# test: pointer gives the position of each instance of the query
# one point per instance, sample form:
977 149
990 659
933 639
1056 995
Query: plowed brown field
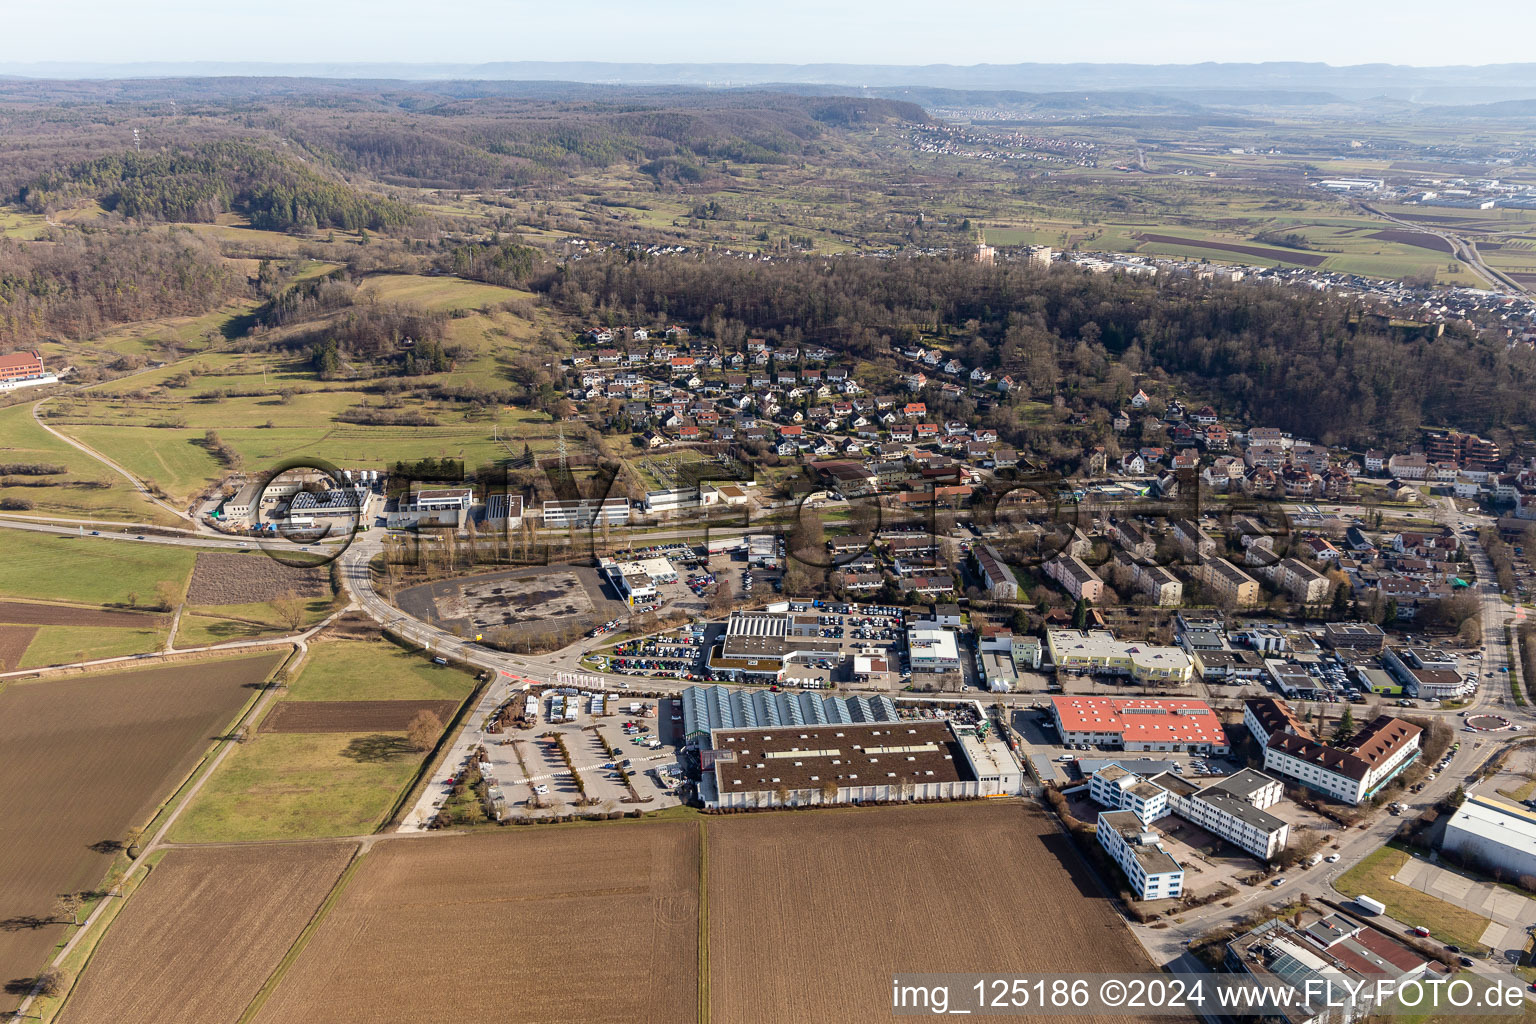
585 925
198 940
352 715
25 613
1416 238
232 578
86 758
811 914
1305 259
13 644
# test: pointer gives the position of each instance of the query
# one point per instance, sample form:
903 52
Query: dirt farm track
215 923
86 758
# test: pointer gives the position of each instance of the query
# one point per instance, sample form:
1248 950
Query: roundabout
1485 722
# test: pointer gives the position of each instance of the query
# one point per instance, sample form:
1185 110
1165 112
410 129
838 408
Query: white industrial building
586 512
933 650
1151 870
1098 652
1232 809
1491 832
636 581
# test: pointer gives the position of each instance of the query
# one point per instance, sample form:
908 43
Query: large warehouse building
1491 832
1140 723
708 708
794 765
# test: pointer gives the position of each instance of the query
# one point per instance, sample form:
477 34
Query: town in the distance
509 574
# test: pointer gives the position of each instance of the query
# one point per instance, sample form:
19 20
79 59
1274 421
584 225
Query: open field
1263 252
221 578
597 926
216 624
894 889
65 645
1373 877
439 293
202 934
55 567
86 759
374 670
352 715
85 488
331 758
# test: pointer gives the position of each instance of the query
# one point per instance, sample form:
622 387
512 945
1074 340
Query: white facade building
1151 871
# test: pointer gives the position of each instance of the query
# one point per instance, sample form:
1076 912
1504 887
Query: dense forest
201 182
84 283
1268 355
471 135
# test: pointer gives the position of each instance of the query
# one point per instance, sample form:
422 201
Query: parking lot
534 779
675 654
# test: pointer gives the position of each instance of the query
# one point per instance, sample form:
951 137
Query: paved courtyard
1510 913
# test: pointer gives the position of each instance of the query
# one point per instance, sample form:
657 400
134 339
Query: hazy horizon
897 32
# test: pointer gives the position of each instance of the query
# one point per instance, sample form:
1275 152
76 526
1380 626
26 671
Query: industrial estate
501 550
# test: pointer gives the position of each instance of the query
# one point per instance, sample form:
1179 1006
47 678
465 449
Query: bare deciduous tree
423 730
290 608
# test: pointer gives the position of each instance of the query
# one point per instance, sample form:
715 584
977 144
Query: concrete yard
1510 914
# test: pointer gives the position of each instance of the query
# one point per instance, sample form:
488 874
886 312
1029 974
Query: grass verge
1448 922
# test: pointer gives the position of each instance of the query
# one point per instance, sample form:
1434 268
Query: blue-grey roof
706 708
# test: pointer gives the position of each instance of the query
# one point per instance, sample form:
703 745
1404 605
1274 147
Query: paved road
1461 248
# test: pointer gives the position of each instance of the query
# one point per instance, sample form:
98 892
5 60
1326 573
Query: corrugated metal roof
706 708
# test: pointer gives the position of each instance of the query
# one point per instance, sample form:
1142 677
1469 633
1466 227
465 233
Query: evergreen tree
1346 727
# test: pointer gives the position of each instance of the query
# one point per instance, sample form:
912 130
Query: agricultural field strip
203 933
777 879
406 898
155 719
352 716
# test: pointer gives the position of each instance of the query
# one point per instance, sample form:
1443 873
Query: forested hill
1268 356
199 183
470 135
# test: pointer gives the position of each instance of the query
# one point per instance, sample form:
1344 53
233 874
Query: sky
782 31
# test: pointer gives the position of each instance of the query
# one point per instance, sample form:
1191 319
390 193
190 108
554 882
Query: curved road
1461 249
138 484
